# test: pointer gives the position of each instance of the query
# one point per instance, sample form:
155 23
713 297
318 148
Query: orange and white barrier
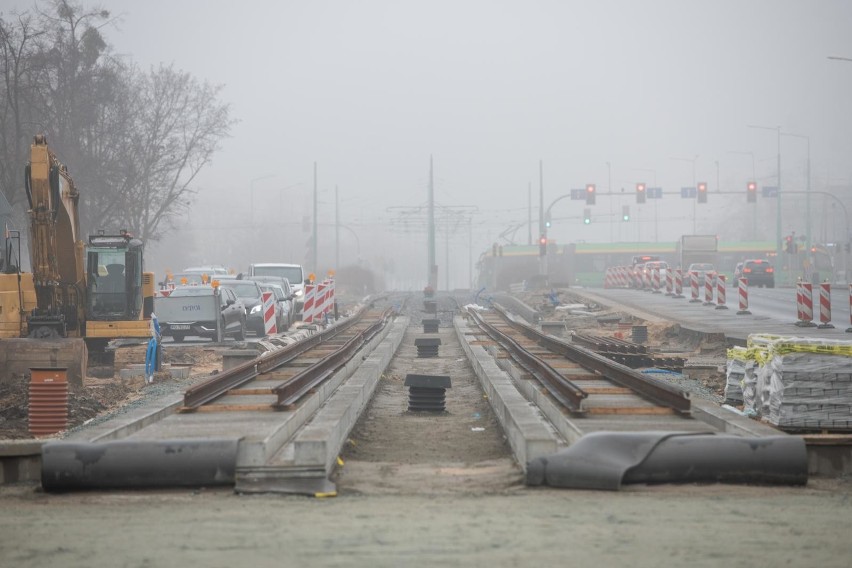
721 293
678 283
609 278
742 294
269 313
669 282
825 306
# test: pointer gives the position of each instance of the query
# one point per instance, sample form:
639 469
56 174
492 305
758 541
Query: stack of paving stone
755 383
735 375
810 385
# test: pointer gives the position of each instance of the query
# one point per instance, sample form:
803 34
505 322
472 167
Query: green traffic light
587 221
626 218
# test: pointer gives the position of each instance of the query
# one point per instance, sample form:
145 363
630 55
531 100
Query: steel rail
217 385
300 384
566 392
652 389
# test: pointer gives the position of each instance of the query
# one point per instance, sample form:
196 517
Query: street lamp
808 189
778 195
754 179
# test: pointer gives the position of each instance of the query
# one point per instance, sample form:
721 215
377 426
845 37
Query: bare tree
134 141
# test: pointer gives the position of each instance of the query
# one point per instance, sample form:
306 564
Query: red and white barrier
799 316
269 313
678 283
669 282
807 305
708 288
609 278
849 329
655 280
742 293
310 303
624 276
693 285
328 298
721 293
825 306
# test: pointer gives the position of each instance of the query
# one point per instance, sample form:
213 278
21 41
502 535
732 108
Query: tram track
585 383
286 375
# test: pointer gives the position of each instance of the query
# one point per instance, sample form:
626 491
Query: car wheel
178 337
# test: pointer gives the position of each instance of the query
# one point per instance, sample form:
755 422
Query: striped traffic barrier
825 306
655 281
742 293
693 286
721 293
669 282
646 280
807 305
849 329
678 283
328 301
310 302
708 288
320 303
623 277
609 278
269 313
799 316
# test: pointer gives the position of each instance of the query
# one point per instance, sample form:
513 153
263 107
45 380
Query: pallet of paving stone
735 374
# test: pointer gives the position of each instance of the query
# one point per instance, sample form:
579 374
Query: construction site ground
405 502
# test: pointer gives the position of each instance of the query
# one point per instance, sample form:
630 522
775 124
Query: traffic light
547 220
542 245
587 215
625 212
702 192
790 246
640 193
752 192
590 194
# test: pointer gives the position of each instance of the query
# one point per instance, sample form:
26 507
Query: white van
294 273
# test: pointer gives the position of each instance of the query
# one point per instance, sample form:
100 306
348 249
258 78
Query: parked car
294 273
251 295
738 271
701 268
759 272
283 309
654 265
198 310
210 270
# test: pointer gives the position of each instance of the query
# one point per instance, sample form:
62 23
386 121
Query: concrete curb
266 464
530 435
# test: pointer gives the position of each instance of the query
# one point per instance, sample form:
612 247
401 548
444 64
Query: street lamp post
778 197
808 189
754 179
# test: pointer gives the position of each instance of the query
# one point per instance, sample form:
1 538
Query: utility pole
336 230
529 208
542 264
432 274
314 262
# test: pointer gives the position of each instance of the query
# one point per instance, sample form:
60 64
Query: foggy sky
370 89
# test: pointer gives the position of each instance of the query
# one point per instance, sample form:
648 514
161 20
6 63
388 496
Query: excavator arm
56 250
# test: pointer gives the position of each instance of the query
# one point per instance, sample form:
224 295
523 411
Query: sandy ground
731 526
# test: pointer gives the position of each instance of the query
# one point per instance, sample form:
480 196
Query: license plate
179 326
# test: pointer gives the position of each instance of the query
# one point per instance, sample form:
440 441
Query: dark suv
759 272
250 293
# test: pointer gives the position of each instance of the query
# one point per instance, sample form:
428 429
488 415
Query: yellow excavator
96 291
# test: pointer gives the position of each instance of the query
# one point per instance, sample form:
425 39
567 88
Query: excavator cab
114 278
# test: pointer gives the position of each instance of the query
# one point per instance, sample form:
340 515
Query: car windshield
701 266
244 290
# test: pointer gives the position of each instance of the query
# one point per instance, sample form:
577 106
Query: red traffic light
702 186
542 241
752 186
640 187
590 188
